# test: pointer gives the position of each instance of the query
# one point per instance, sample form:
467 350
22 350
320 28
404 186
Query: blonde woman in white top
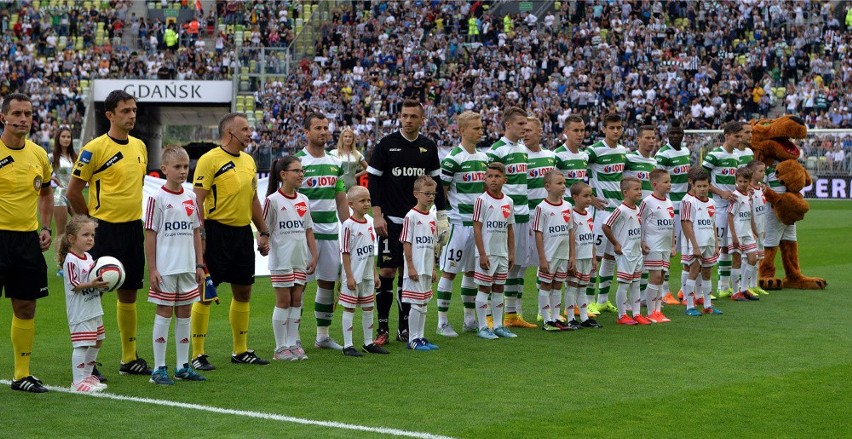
354 165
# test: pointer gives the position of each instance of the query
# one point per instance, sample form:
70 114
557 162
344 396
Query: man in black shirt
398 159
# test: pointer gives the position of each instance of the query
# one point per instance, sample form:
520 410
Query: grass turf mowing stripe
251 414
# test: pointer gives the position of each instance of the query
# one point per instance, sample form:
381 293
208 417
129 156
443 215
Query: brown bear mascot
786 177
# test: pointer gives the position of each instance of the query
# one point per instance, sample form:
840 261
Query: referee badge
37 183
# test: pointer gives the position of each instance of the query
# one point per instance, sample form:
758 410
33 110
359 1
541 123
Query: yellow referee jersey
23 172
232 184
116 174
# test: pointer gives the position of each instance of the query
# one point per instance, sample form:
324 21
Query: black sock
384 301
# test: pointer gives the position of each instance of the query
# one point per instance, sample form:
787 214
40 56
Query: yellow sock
198 323
239 317
23 333
126 318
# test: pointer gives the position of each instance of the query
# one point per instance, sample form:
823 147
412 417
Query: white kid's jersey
174 216
288 219
496 215
657 222
702 214
627 227
759 209
418 228
741 209
81 305
584 234
359 240
554 222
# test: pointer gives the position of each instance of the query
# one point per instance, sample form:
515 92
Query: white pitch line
251 414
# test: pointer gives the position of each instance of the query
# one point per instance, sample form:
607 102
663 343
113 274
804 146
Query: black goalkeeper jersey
394 166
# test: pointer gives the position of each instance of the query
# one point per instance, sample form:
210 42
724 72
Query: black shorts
390 248
125 242
230 253
23 272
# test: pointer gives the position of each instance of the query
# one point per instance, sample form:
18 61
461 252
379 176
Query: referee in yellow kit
114 166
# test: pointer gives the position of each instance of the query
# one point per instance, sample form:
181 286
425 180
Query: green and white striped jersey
574 166
463 174
323 180
538 164
772 180
746 155
606 167
722 166
677 164
514 157
640 167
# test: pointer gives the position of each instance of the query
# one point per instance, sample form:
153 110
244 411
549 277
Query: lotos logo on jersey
407 172
506 210
575 174
642 175
671 211
728 171
611 169
682 169
539 172
519 168
711 210
189 206
566 215
301 208
324 181
473 176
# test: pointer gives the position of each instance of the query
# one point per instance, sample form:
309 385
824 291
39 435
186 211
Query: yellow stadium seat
240 108
249 104
258 114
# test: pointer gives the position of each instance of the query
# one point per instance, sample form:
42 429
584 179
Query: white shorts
59 198
708 256
288 278
628 270
602 245
176 290
582 272
419 292
460 252
364 295
495 275
88 332
658 260
558 271
722 235
747 245
523 233
328 261
776 231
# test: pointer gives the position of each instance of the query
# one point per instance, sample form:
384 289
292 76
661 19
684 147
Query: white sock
556 304
748 275
444 285
468 284
754 276
636 298
482 308
414 316
570 301
181 343
293 323
324 296
78 364
582 300
689 293
653 294
348 318
367 325
497 309
91 359
279 326
511 303
422 330
735 280
606 269
161 339
705 292
684 275
621 298
544 305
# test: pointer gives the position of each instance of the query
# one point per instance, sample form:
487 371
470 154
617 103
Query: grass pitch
776 368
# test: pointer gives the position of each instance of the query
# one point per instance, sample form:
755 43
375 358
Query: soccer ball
110 270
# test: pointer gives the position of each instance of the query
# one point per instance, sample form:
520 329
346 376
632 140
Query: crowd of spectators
649 61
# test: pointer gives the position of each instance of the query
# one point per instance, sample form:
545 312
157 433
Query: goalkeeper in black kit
398 159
